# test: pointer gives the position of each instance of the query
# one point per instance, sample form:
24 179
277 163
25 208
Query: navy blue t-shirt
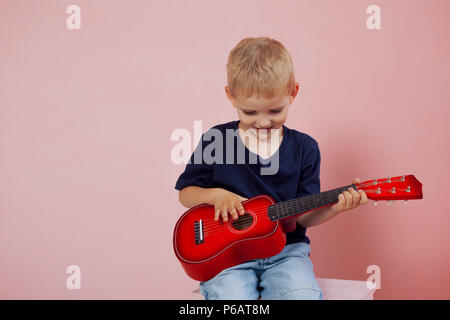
296 174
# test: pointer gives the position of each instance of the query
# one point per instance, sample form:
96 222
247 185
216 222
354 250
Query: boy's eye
249 112
275 111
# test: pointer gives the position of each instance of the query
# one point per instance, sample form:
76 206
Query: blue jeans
288 275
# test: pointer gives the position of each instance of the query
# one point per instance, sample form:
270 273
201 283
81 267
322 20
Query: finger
216 214
340 204
242 198
363 197
233 212
224 214
240 208
356 180
355 197
348 200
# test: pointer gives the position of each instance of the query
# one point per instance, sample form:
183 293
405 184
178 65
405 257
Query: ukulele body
205 247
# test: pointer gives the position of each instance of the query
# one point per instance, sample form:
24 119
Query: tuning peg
388 180
375 203
390 202
405 202
402 178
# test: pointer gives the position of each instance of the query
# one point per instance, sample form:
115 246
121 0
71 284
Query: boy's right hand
227 202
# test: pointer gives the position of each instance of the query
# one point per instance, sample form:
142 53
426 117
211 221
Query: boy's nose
263 124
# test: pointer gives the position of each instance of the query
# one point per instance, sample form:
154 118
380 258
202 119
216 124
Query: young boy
261 86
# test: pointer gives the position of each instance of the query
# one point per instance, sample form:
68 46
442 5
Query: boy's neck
264 147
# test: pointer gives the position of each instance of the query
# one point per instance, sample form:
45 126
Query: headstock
392 188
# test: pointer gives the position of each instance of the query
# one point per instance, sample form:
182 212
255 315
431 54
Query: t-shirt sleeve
310 172
197 172
309 182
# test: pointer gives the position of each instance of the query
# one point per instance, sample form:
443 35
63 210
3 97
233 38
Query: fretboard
307 203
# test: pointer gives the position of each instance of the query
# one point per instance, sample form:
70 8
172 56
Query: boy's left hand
350 199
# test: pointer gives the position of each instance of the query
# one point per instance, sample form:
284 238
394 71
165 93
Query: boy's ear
294 93
228 92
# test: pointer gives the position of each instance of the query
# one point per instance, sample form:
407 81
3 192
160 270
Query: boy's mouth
264 130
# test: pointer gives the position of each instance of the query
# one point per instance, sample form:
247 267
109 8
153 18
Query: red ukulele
205 247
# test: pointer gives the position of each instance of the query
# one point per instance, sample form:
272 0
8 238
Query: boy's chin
261 133
267 136
267 132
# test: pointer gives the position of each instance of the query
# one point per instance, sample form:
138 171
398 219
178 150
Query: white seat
340 289
333 289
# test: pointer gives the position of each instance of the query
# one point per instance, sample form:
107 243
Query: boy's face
262 113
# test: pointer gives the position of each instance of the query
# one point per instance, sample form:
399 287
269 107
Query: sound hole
242 222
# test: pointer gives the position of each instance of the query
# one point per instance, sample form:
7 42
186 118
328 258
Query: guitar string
292 204
264 211
299 208
221 227
295 206
224 225
326 196
225 229
286 205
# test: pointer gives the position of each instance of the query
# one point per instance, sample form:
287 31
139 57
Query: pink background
86 116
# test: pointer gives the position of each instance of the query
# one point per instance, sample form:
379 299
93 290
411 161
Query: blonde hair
260 66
